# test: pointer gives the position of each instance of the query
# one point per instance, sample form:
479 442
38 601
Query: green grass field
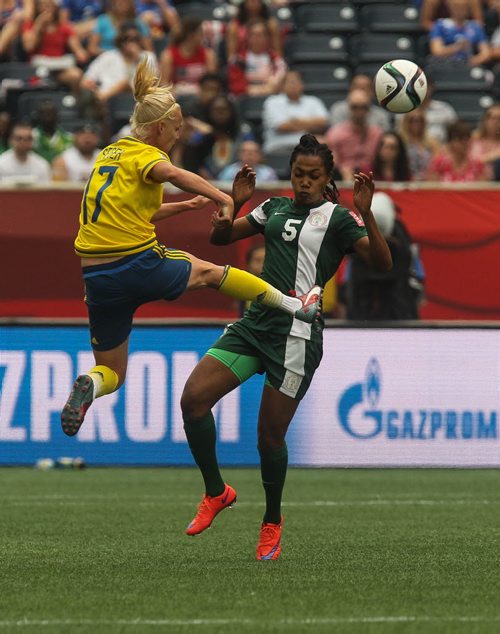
369 551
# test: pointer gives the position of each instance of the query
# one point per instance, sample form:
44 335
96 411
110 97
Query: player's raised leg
104 378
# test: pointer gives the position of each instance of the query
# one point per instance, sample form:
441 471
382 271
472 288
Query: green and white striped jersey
304 246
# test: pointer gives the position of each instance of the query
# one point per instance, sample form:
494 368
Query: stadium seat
280 163
302 48
390 18
120 109
324 76
329 97
455 77
203 10
335 18
468 105
29 102
381 47
368 68
17 70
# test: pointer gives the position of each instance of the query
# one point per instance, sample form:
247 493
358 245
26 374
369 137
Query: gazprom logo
361 417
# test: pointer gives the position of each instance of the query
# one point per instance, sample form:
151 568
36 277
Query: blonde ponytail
153 102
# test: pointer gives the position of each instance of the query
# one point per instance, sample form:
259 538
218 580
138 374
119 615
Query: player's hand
243 185
363 191
198 202
222 219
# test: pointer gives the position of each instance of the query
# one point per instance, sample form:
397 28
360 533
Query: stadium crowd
250 85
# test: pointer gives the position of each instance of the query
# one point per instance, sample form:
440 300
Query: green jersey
304 247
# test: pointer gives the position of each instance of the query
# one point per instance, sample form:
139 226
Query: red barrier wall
459 232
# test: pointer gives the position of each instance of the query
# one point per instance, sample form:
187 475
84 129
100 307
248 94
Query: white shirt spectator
34 169
110 68
278 109
78 167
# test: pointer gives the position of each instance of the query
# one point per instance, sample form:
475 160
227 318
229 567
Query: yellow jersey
119 201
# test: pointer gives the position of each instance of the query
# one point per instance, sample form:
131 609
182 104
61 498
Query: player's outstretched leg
269 544
209 508
80 399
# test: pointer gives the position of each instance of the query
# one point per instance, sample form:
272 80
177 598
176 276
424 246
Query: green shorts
288 362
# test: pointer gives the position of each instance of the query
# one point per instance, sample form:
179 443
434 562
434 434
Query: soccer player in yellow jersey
123 264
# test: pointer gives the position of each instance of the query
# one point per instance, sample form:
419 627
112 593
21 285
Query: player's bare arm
372 249
167 210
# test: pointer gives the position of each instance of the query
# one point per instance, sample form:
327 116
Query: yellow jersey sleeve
119 201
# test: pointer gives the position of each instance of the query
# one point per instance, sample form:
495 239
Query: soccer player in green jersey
306 238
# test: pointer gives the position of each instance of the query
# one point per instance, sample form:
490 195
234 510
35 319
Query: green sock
273 466
201 436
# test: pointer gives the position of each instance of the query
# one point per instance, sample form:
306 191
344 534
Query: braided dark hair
310 146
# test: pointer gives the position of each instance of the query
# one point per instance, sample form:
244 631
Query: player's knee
192 402
269 439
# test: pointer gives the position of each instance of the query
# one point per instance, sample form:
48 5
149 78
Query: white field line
291 622
151 500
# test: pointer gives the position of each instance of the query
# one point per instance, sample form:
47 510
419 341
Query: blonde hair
153 102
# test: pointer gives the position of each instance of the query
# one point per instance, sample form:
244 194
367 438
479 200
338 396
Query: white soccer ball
400 86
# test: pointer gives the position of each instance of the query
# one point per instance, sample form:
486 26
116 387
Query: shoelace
268 534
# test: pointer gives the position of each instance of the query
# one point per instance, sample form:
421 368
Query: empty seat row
346 18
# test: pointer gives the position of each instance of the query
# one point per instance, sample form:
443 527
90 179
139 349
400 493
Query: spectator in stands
210 85
49 138
76 162
208 152
432 10
236 33
47 40
438 114
185 62
13 14
20 164
377 116
112 71
5 130
82 15
420 145
458 39
108 25
249 153
390 163
354 142
289 115
455 163
486 139
384 295
257 71
159 15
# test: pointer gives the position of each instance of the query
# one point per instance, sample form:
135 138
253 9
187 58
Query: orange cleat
209 508
269 546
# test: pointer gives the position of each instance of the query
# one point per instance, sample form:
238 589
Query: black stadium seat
458 77
303 48
390 18
29 102
329 97
203 10
468 105
335 18
17 70
280 163
324 76
374 47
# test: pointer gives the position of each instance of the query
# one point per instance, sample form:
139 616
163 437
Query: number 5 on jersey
110 171
290 232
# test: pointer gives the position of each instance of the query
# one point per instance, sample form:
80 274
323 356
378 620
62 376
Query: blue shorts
114 291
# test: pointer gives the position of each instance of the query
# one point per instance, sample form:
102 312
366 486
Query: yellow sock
105 380
245 286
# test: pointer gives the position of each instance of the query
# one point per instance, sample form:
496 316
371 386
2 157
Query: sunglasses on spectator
359 106
131 38
22 137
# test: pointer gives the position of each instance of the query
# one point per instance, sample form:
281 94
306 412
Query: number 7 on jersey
110 170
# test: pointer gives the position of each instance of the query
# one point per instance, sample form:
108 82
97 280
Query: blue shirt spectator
107 31
251 154
80 10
